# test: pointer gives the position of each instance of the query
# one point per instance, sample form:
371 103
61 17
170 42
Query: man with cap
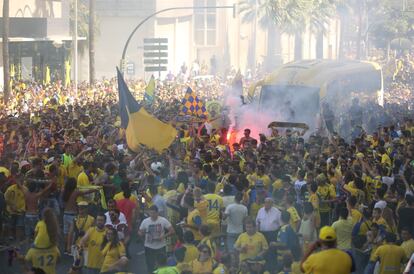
328 259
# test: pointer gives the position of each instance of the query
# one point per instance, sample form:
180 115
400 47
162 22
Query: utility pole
76 48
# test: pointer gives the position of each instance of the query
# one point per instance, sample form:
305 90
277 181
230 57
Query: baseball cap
327 233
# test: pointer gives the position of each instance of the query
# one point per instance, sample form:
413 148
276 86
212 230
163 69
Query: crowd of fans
280 204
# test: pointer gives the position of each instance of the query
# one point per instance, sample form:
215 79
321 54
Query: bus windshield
292 103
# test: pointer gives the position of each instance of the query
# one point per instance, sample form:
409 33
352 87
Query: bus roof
316 73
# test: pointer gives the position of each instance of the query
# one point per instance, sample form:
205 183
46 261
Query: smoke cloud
283 104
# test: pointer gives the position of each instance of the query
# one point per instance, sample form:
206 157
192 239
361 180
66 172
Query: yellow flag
47 76
144 129
67 73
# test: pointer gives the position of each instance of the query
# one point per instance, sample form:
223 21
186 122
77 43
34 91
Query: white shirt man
153 228
235 214
268 220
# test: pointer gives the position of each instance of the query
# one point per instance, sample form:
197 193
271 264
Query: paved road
136 263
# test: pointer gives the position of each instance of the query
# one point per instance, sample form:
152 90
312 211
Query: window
205 23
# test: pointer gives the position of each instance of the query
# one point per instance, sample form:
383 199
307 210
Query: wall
117 19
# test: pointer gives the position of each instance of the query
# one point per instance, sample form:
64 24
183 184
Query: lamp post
122 62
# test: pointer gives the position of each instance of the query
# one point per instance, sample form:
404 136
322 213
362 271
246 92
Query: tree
343 9
273 16
83 22
389 22
318 16
6 65
92 41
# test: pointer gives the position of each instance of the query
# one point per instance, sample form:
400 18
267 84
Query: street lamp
122 63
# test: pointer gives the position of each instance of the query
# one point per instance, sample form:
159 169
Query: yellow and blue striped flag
192 105
150 90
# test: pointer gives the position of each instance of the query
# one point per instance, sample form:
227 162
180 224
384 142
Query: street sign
155 40
156 48
130 68
155 61
155 54
155 68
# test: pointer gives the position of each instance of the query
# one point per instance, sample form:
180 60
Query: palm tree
318 16
343 9
296 11
6 71
274 16
92 41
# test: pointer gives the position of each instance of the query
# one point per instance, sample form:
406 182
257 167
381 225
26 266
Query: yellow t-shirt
84 223
112 255
391 257
96 237
208 242
83 180
265 179
43 258
202 207
191 253
192 216
120 196
42 239
215 204
408 247
326 192
253 244
314 200
356 215
343 229
198 267
252 178
385 159
221 269
321 262
5 171
15 195
74 170
294 217
63 173
254 209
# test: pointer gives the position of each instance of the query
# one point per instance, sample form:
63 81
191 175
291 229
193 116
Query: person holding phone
321 254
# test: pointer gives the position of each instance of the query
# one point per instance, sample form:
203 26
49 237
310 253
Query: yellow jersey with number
45 259
215 204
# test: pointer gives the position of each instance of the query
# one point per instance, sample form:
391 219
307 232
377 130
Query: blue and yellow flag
150 90
191 105
141 127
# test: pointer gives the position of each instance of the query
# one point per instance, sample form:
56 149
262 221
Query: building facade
39 38
221 35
